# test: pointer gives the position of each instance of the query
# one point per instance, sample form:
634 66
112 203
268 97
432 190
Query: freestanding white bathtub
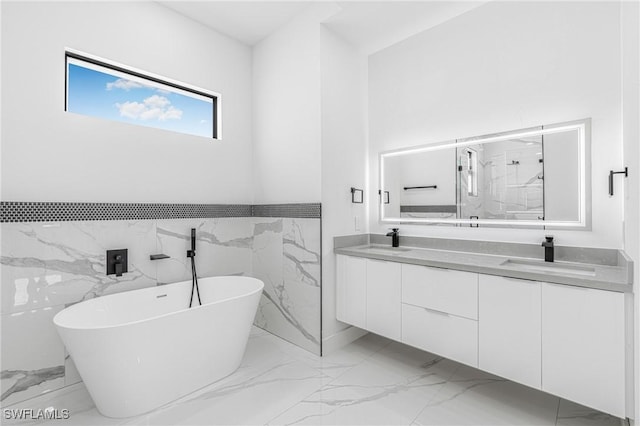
141 349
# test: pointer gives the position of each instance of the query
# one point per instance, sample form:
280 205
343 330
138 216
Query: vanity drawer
444 290
447 335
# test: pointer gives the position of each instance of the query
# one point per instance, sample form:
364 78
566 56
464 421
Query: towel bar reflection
421 187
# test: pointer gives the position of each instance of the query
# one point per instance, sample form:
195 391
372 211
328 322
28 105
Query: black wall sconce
385 199
357 195
611 173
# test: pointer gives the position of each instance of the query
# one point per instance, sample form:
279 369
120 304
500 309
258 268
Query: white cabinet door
351 290
583 346
509 329
383 298
444 290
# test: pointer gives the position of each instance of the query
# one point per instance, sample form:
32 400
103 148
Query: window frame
155 78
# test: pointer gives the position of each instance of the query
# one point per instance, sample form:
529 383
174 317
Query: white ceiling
374 25
368 25
246 21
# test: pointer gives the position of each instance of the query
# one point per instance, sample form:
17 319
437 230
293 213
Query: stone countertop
605 277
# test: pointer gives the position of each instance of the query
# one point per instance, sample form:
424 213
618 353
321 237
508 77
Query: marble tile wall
286 256
46 266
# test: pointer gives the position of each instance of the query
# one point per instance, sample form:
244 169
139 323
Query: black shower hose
194 282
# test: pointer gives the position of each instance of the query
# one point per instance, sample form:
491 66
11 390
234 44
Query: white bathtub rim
156 317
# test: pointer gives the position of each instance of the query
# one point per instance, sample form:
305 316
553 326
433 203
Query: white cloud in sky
157 101
152 108
124 84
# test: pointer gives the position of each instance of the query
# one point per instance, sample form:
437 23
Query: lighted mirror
534 177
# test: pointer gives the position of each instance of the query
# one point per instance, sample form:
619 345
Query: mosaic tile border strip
303 210
23 211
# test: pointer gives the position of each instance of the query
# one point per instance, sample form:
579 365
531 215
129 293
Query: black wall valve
117 262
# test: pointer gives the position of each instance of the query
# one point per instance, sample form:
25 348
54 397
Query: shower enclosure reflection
502 180
531 177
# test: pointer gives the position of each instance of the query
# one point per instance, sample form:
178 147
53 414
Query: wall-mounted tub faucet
548 248
395 238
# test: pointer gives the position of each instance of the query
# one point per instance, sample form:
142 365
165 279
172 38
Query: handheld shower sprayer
192 252
194 275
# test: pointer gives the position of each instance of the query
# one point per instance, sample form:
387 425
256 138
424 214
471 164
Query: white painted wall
503 66
51 155
343 90
630 17
286 111
309 100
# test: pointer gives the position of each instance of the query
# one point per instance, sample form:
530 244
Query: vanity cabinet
351 289
583 346
565 340
440 311
383 298
368 295
510 328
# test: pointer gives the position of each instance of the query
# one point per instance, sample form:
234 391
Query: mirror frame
584 223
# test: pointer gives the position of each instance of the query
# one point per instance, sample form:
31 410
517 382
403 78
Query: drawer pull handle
437 312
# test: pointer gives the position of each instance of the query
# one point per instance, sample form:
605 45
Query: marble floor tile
572 414
473 397
376 391
74 398
371 381
246 400
338 362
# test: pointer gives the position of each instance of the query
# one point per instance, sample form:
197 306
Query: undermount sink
388 250
540 266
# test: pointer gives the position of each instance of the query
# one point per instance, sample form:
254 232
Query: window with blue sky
101 91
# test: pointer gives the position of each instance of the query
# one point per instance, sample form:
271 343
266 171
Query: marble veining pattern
32 354
223 247
62 263
23 379
379 382
47 266
286 256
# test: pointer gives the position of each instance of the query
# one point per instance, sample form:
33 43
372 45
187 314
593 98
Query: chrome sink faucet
395 238
548 248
